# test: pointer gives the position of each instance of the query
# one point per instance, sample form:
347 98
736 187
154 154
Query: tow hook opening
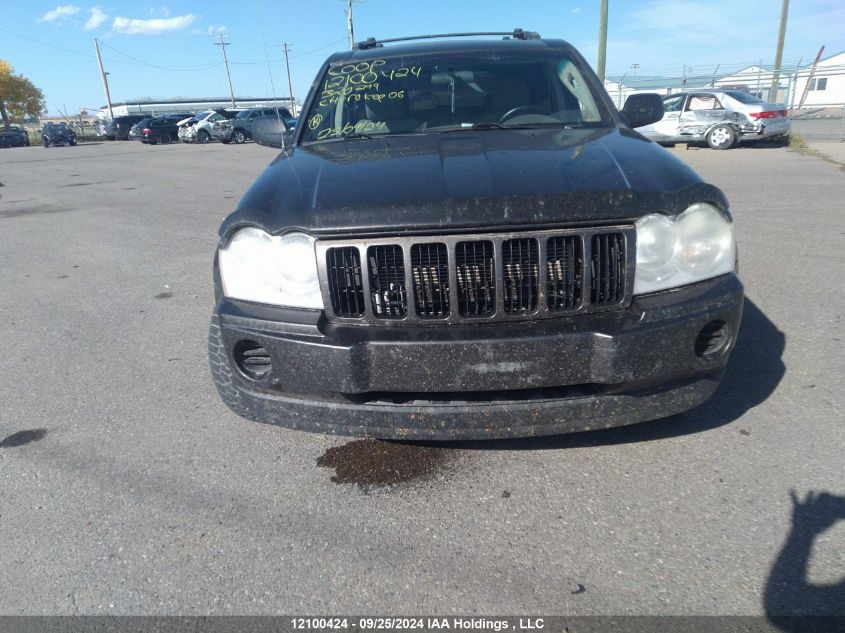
713 339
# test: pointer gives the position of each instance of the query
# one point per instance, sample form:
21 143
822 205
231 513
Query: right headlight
274 269
696 245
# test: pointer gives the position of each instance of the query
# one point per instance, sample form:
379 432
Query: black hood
469 179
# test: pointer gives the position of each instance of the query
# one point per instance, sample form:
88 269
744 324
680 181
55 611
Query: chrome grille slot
387 281
343 266
430 273
521 272
476 274
564 272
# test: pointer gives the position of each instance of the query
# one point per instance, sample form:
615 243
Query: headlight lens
279 270
698 244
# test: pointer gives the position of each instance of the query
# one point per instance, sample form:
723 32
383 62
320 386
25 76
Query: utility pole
349 24
810 78
602 39
286 48
103 74
223 44
773 90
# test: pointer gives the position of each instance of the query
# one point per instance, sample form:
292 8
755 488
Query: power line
61 48
171 68
316 50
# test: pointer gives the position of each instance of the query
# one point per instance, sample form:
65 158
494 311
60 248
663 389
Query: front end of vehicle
476 336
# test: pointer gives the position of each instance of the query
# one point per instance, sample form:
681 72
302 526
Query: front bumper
479 381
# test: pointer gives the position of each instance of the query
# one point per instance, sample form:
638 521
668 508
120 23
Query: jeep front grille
521 274
430 275
477 278
387 281
608 269
564 272
476 273
343 267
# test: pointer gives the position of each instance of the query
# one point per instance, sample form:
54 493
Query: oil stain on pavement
374 463
22 437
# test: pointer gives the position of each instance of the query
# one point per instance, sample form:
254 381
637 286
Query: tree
19 97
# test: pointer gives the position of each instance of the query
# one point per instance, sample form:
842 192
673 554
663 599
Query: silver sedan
720 118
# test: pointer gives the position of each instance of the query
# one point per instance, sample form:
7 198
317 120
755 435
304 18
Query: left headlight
279 270
696 245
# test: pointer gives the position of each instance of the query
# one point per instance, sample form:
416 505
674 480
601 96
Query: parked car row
51 134
224 125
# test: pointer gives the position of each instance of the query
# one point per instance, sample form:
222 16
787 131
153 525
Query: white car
720 118
197 129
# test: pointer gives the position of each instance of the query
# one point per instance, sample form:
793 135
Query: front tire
239 137
203 137
721 137
46 143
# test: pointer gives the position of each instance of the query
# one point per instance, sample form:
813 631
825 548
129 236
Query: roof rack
517 34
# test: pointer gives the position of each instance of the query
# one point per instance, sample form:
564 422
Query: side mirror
643 109
271 131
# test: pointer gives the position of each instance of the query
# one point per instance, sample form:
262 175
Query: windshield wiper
490 125
495 125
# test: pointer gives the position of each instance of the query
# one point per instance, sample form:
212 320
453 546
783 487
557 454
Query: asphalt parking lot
129 488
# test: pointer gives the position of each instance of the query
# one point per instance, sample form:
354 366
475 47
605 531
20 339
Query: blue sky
165 49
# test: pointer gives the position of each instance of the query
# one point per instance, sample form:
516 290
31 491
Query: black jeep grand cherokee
465 239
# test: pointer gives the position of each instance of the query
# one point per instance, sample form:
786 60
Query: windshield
743 97
243 114
414 94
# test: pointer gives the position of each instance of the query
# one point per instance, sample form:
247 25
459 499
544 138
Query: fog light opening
252 359
713 339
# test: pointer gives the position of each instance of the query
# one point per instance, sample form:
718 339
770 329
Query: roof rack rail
517 34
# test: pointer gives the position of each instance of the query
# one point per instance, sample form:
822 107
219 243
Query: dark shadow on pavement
754 371
791 602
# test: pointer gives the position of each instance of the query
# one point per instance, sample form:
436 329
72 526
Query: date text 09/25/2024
421 623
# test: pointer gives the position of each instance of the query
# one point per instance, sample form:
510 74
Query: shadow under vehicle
465 239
